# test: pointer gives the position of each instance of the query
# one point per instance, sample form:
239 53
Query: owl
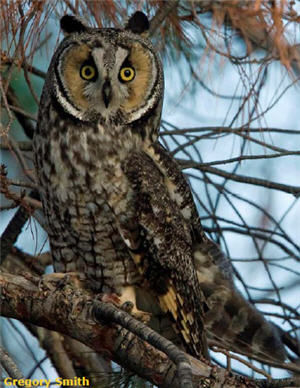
117 207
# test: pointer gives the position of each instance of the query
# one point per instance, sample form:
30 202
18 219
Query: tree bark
59 305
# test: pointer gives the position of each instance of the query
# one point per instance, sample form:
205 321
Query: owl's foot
126 305
128 300
140 315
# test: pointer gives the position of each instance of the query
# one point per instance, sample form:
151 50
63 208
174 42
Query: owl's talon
140 315
128 307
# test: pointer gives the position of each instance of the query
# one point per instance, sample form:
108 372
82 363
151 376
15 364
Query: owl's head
108 74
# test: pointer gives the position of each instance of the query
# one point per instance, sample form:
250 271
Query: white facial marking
121 55
70 108
98 54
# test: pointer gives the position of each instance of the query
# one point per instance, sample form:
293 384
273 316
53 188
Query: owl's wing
161 245
237 324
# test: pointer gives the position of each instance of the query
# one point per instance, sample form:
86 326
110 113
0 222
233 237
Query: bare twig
32 69
161 14
24 121
295 190
243 361
9 365
249 157
24 24
23 145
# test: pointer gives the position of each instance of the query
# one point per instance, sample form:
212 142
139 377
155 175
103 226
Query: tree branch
294 190
161 14
9 365
24 121
57 305
14 228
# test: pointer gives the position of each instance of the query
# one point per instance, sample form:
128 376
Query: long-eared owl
118 209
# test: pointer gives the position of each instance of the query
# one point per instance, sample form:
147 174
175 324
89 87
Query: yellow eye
88 72
127 74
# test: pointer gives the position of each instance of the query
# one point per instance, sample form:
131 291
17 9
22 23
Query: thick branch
58 306
66 354
14 228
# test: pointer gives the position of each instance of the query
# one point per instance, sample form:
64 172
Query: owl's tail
232 321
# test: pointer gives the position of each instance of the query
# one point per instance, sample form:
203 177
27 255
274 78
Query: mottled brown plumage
229 318
118 208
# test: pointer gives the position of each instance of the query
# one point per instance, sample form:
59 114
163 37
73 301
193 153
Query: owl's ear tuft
70 23
138 23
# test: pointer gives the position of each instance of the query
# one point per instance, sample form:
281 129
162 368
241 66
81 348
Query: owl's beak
106 92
